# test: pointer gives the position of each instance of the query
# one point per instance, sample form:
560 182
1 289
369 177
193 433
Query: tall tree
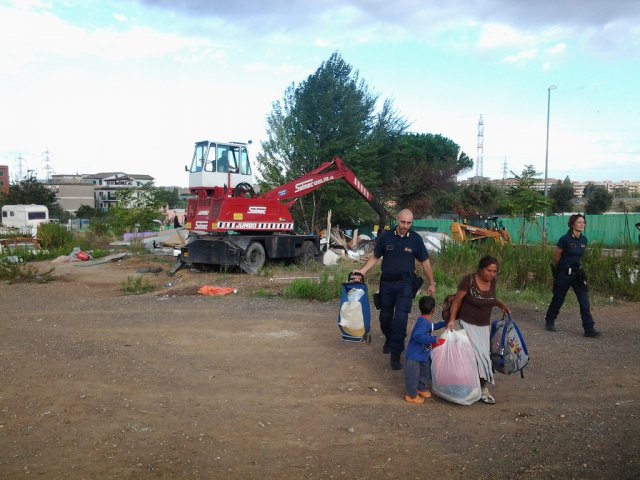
137 208
599 201
478 199
170 196
588 189
30 191
85 211
524 200
562 195
421 169
332 113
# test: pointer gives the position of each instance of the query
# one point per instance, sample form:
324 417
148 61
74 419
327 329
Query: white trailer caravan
25 218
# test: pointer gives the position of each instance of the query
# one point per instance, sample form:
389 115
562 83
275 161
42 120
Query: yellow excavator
480 229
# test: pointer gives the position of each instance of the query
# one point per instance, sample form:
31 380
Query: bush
54 235
137 285
18 272
100 228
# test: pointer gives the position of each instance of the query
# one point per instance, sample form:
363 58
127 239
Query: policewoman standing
568 273
399 249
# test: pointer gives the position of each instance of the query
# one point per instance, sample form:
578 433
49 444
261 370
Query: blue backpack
509 353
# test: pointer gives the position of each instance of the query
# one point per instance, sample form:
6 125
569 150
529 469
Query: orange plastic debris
83 256
215 291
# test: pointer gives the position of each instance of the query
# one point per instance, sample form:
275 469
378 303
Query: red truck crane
230 224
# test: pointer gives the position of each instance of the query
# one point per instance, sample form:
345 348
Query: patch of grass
324 289
24 255
98 253
92 240
525 275
137 246
262 293
21 272
613 276
137 285
54 235
525 271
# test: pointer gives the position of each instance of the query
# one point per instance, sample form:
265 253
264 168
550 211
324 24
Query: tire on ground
307 253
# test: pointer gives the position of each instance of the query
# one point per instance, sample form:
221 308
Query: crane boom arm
325 173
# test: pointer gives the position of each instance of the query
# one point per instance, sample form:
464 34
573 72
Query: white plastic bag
354 295
453 369
351 317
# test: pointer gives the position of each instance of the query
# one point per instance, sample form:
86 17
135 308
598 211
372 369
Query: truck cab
218 164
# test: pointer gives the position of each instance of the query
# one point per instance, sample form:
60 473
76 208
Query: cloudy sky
131 85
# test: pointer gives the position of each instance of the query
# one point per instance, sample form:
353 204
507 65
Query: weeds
54 235
525 274
325 287
137 246
613 276
20 272
137 285
323 290
56 240
98 253
525 271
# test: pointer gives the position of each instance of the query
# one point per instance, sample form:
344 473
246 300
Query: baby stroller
354 318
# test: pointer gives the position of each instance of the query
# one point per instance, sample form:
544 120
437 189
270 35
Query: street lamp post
546 158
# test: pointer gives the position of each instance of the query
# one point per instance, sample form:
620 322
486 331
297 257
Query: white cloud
522 56
558 49
323 43
257 67
494 36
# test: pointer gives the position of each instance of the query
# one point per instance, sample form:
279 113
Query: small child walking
417 369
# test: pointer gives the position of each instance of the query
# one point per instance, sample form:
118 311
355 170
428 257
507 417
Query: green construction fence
611 230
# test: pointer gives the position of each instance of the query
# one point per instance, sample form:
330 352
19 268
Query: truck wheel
253 259
307 253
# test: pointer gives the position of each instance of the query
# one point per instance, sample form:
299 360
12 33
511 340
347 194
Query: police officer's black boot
395 361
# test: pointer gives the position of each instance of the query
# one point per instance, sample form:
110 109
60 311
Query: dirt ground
172 384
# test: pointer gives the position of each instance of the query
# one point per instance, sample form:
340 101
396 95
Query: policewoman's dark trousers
561 285
395 306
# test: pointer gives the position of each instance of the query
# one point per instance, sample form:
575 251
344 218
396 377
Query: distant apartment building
106 186
631 186
72 192
578 187
4 179
94 190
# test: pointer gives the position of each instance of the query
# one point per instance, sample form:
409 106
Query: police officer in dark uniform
569 274
399 249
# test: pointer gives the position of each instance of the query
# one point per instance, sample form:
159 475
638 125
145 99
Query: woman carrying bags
472 306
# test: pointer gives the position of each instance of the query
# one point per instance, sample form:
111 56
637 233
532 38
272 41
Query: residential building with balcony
94 190
107 185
